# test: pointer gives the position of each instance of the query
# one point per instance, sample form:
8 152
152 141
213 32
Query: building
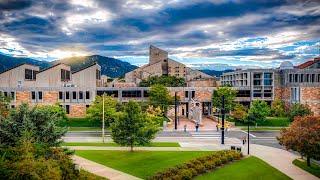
160 64
75 91
300 84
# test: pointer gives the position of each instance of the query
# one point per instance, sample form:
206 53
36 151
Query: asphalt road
267 138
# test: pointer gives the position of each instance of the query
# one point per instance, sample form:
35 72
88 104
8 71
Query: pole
248 138
222 120
103 118
175 112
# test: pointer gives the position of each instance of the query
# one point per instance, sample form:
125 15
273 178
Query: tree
239 112
168 81
278 108
159 97
95 111
229 96
299 110
41 121
132 127
4 103
258 111
303 136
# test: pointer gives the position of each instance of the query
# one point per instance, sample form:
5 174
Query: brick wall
311 97
77 110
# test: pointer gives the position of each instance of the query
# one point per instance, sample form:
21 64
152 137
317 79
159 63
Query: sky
210 34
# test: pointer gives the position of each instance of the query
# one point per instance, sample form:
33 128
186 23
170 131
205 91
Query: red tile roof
308 63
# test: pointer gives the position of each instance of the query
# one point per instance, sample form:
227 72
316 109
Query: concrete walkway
102 170
281 160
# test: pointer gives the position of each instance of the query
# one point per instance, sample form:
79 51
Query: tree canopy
4 103
168 81
278 108
95 111
41 121
303 136
258 111
239 112
133 127
159 97
299 110
229 95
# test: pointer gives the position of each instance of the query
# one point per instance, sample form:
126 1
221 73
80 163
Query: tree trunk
308 161
131 147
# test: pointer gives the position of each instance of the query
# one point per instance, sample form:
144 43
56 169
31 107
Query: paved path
281 160
101 170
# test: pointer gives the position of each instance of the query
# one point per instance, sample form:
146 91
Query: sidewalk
101 170
281 160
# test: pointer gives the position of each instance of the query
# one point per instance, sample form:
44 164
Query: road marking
247 133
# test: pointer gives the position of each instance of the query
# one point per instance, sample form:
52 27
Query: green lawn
140 163
246 169
112 144
313 169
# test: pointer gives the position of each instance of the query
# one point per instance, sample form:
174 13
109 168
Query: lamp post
248 138
103 118
175 111
222 120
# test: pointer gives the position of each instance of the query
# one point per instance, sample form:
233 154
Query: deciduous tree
239 112
298 109
132 127
303 136
159 97
278 108
258 111
229 96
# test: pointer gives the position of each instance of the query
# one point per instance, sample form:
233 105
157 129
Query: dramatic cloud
214 34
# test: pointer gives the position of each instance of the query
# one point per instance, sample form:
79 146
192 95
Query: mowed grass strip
112 144
245 169
313 169
140 163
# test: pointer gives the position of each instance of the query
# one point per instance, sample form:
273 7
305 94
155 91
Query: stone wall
23 97
50 97
77 110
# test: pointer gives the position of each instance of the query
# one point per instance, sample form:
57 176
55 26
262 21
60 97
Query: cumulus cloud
206 31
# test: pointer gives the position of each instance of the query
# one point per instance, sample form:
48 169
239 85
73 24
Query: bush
198 166
299 110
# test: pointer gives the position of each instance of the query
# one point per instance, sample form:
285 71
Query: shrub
198 166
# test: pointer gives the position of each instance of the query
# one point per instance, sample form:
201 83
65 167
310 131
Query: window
65 75
87 95
296 78
80 95
40 95
60 95
267 75
295 94
186 94
145 93
12 95
33 95
193 94
5 94
290 78
67 95
68 109
98 74
267 82
30 74
131 93
74 95
87 106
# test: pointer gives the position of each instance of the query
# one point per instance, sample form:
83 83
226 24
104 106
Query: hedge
198 166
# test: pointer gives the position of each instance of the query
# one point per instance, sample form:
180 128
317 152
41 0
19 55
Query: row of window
65 95
300 78
186 94
11 94
30 74
132 93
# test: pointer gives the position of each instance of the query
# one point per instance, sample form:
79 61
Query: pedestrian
217 127
197 126
185 128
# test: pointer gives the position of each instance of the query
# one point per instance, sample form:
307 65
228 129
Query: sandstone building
160 64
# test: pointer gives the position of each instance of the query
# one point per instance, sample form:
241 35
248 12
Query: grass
247 169
81 122
112 144
84 129
140 163
313 169
85 175
270 122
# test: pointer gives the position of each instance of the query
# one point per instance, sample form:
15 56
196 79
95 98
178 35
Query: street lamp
175 111
248 136
222 120
103 118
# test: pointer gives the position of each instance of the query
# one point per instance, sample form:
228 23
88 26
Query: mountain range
109 66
